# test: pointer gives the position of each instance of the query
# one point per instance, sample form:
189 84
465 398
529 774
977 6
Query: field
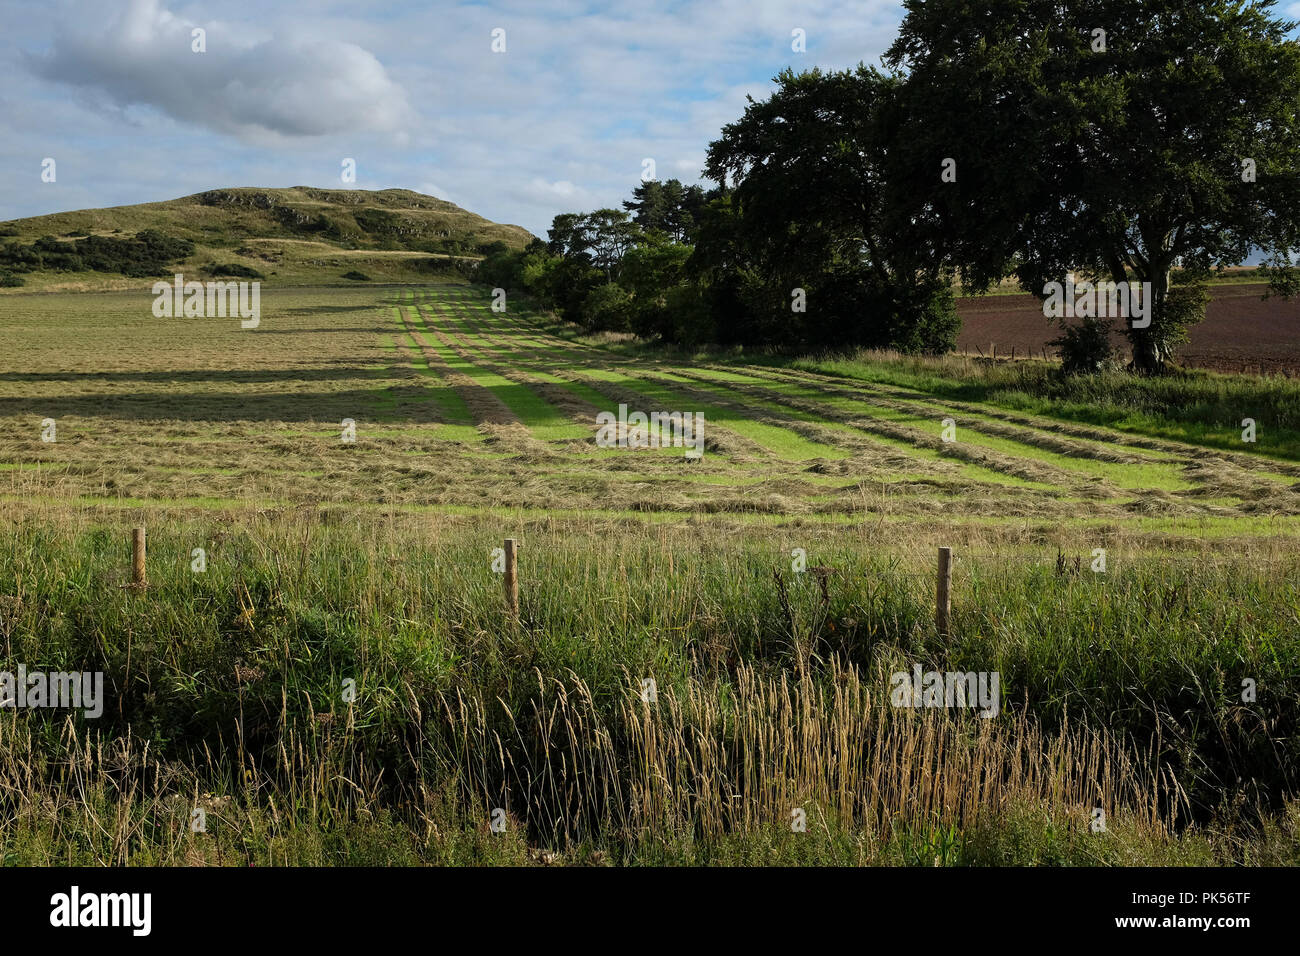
464 411
1242 332
330 560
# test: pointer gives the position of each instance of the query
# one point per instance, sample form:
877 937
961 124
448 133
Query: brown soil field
1241 331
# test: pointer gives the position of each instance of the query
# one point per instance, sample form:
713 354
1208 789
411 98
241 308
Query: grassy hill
298 236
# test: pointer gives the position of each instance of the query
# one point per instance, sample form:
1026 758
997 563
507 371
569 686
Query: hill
297 236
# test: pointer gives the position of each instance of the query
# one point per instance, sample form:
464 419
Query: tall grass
227 694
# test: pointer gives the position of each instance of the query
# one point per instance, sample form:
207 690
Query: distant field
370 561
1241 333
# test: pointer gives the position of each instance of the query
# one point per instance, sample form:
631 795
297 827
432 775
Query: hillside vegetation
295 236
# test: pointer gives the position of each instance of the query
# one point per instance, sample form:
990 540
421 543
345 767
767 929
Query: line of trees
1112 139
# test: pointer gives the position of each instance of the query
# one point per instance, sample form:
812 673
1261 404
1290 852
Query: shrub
10 281
1086 348
356 276
1184 307
232 269
607 308
924 319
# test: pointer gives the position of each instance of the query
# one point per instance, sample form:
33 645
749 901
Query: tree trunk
1149 354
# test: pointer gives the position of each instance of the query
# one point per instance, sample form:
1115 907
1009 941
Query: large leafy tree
820 201
720 267
1120 138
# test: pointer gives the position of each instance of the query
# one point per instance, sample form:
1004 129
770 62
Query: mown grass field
370 561
466 411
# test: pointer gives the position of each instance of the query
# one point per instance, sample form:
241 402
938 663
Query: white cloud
564 189
262 90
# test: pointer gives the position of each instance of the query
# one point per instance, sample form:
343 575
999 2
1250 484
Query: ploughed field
1241 332
465 411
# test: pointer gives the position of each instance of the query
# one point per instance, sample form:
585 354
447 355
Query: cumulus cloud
277 87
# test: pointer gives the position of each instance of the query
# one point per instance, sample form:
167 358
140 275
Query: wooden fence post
137 558
511 581
943 601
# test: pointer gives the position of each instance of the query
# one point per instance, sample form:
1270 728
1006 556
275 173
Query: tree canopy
1116 137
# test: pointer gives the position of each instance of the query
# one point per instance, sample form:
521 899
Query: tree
819 211
1113 137
567 236
606 308
599 238
667 207
610 233
649 206
651 272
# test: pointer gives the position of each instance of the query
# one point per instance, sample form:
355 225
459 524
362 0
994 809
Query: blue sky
561 121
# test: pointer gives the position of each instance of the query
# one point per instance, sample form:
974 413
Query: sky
561 120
